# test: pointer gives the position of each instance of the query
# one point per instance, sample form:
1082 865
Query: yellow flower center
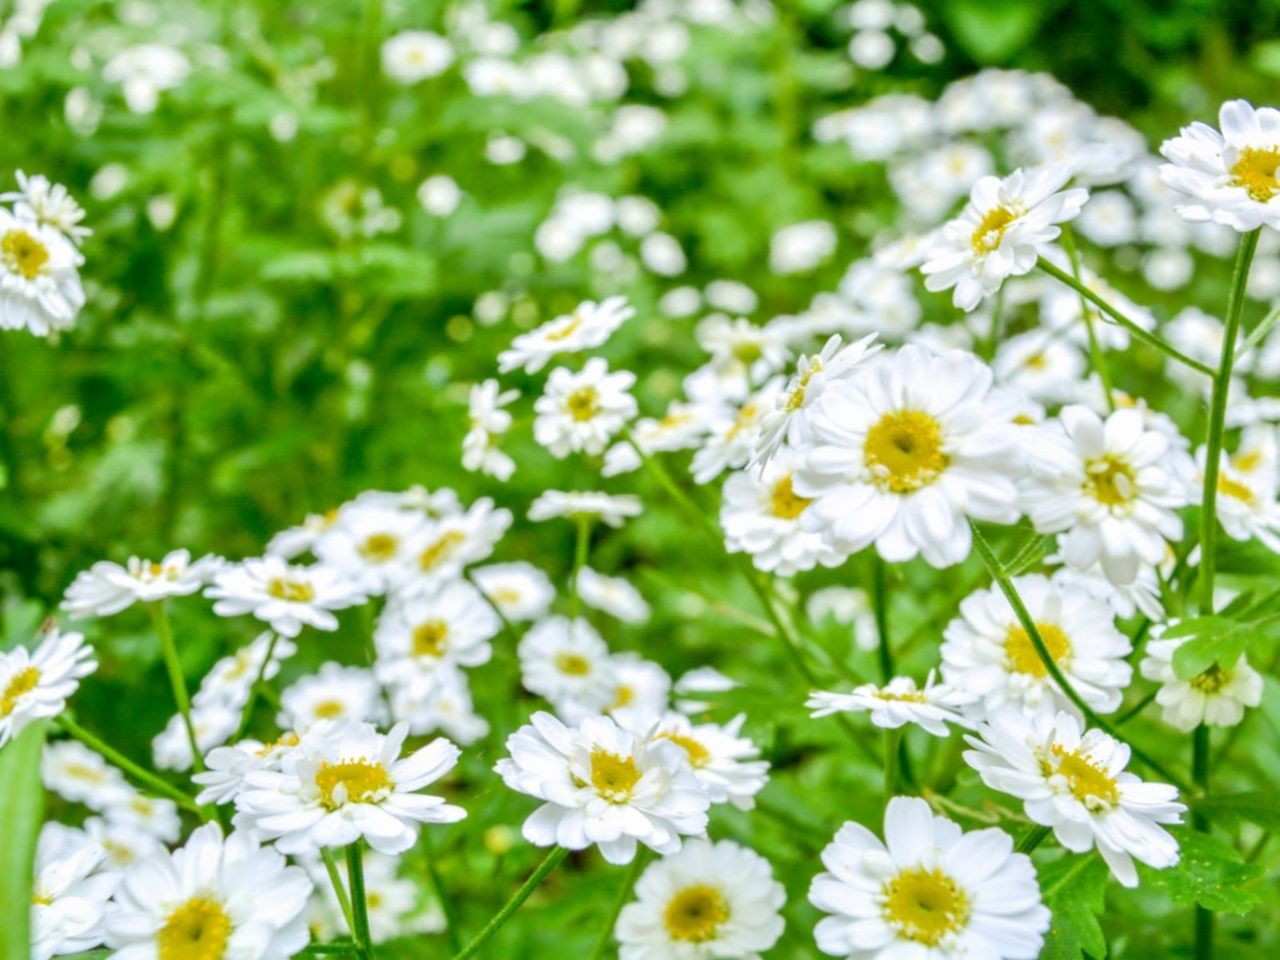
573 664
745 417
1235 490
796 398
1211 680
1088 782
695 914
990 230
747 352
567 328
506 596
1247 461
1110 481
784 502
925 905
352 781
583 403
380 547
699 756
904 451
22 253
622 697
614 777
197 930
1020 654
328 709
22 682
1255 170
78 771
286 740
430 638
441 549
294 591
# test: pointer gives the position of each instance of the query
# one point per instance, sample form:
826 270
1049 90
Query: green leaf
1212 640
1211 873
21 810
1075 891
993 30
1256 807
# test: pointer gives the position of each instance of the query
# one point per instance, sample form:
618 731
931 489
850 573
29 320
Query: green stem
1217 422
359 902
1032 839
1200 773
160 618
1046 658
1144 335
339 888
880 606
442 894
1096 356
1136 709
246 715
517 900
145 777
581 547
624 893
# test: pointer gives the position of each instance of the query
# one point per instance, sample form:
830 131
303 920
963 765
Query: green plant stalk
1096 356
1032 839
442 894
880 605
22 803
1144 335
496 923
339 888
581 548
1046 659
246 715
359 902
624 893
160 618
144 777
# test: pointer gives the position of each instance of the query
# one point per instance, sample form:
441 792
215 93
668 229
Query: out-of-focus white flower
69 894
48 204
334 692
1216 696
612 595
608 508
418 634
107 588
588 327
39 285
414 55
283 596
898 703
519 590
580 412
801 247
35 684
439 195
567 662
144 72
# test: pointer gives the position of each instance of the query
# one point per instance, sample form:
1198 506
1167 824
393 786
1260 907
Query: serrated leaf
21 810
1211 873
1075 892
1256 807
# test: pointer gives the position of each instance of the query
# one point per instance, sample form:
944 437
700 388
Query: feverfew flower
35 684
39 286
567 662
1074 781
901 455
1228 177
1001 232
344 781
1105 486
898 703
1216 696
439 702
48 204
451 625
221 897
612 595
601 784
705 901
448 544
414 55
489 422
928 892
607 508
370 542
587 328
70 892
520 590
723 760
75 773
1247 505
213 723
107 588
230 680
580 412
285 597
334 692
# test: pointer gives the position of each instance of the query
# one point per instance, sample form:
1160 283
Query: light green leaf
1075 892
21 810
1211 873
1256 807
1212 640
993 30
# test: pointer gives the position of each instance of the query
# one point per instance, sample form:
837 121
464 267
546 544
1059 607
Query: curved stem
246 714
160 618
339 888
1032 839
880 606
517 900
1096 356
624 892
359 902
892 745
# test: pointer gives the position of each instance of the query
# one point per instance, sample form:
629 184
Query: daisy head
520 590
586 328
39 287
580 412
35 684
899 702
107 588
285 597
567 662
1216 696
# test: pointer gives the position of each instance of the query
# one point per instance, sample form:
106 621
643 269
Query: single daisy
39 284
1216 696
587 328
609 509
107 588
35 684
333 692
519 590
285 597
612 595
69 895
451 625
580 412
898 703
567 662
725 762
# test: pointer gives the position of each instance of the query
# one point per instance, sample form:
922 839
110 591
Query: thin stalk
160 618
1259 333
339 888
581 547
1144 335
1217 422
1032 838
246 715
624 893
1046 658
359 902
442 894
144 777
880 606
517 900
1136 709
1201 761
1096 357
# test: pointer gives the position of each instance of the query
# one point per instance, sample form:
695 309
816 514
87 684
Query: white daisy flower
489 422
1041 365
734 433
587 328
285 597
154 815
580 412
344 781
705 901
1001 233
987 654
898 703
39 286
231 679
641 691
211 898
107 588
901 455
1247 505
448 544
928 892
75 773
415 55
1106 488
1142 595
1074 781
568 663
607 508
740 348
35 684
724 762
602 785
612 595
440 702
1228 177
295 541
73 883
520 590
1216 696
228 767
334 692
48 204
416 635
124 842
370 543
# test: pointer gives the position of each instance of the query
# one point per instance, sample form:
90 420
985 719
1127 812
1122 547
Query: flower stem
339 888
1096 356
1144 335
581 547
1217 421
1200 773
517 900
160 618
142 775
880 605
442 894
359 902
1046 658
1032 839
628 883
247 713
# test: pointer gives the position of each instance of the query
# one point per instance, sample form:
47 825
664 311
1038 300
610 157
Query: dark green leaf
21 810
